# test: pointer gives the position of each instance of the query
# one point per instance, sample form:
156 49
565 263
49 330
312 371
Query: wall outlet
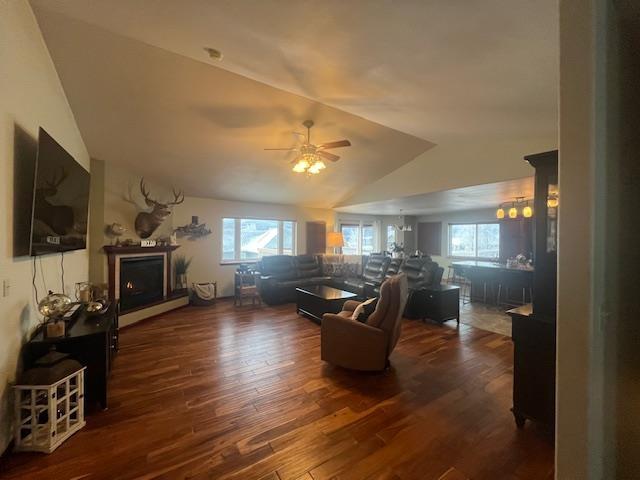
6 287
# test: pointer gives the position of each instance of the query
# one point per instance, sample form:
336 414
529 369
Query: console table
92 340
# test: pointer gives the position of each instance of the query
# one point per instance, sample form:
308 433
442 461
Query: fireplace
141 281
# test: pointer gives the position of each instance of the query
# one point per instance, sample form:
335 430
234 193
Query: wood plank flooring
240 393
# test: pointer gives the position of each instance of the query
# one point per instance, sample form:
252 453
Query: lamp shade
335 240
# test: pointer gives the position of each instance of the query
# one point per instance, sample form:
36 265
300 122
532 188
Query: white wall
473 162
207 252
597 425
30 96
466 216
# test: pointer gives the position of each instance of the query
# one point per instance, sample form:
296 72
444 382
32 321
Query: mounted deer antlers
147 222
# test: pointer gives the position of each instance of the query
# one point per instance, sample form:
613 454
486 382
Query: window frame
360 225
475 257
395 236
237 248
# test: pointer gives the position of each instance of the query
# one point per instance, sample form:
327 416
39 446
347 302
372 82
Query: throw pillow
362 311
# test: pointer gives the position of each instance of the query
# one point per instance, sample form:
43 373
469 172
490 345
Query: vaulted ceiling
393 77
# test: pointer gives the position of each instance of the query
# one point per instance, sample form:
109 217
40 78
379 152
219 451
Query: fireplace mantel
123 250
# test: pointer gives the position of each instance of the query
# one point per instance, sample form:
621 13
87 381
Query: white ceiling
488 195
439 70
204 129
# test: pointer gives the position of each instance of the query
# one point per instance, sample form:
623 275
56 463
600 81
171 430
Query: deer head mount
147 222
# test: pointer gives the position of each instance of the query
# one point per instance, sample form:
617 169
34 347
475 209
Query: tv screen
60 201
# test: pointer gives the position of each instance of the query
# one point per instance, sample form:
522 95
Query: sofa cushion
420 272
281 267
394 267
307 266
376 268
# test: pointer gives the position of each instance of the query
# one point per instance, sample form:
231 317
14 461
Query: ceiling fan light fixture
316 167
301 166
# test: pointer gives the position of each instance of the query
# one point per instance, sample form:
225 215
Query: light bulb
513 212
500 213
527 212
301 166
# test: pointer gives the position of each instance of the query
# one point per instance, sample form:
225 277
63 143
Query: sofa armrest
352 344
264 282
350 305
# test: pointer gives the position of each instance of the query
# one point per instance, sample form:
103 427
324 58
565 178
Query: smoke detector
213 53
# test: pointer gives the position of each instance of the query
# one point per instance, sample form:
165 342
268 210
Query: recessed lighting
213 53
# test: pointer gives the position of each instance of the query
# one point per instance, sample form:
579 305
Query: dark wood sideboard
534 325
92 340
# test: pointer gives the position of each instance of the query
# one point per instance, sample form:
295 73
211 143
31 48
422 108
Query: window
359 238
474 240
248 239
367 239
351 234
391 236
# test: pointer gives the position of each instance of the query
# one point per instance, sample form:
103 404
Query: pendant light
500 213
513 211
527 211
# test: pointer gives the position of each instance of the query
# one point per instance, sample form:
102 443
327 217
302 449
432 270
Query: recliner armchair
372 277
421 273
366 346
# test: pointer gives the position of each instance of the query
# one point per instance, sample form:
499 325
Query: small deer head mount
147 222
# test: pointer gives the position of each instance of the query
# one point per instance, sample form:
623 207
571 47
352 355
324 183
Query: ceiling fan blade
329 156
340 143
291 148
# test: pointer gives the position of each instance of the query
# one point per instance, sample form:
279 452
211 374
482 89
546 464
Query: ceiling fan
310 157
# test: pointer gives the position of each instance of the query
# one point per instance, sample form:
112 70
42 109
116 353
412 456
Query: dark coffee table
316 300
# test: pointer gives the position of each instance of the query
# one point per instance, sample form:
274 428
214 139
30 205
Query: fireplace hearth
141 281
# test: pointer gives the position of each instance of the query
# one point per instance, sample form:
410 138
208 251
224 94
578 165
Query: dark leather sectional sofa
280 275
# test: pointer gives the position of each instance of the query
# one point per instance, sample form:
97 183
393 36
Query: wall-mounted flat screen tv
60 207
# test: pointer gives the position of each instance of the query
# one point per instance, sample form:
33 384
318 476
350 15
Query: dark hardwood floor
224 392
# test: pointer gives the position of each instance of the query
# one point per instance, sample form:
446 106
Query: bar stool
456 275
477 278
514 280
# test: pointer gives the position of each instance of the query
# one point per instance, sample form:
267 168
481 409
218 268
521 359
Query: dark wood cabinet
439 303
534 369
93 341
534 325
